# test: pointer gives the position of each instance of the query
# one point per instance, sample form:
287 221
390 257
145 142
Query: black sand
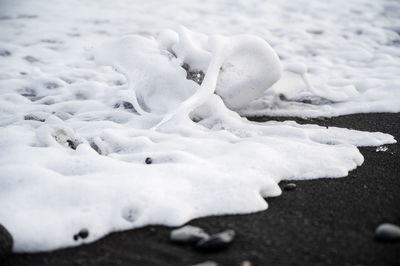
322 222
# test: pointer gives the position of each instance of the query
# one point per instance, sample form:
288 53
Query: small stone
100 146
127 105
31 59
6 242
381 149
289 186
207 263
387 232
188 235
316 32
217 242
307 101
37 116
245 263
83 233
95 147
4 53
30 117
72 144
193 74
148 160
282 97
66 137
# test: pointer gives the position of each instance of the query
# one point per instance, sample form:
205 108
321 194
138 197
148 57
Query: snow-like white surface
54 97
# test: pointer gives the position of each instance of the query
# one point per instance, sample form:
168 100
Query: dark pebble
31 59
387 232
217 242
148 160
95 147
6 242
316 32
72 144
193 74
289 186
4 53
33 117
83 233
282 97
127 105
66 139
188 235
307 101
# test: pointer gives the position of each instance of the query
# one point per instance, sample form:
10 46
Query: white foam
84 166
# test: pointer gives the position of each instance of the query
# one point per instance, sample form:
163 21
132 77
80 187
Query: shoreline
329 221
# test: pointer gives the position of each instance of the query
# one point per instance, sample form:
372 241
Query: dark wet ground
321 222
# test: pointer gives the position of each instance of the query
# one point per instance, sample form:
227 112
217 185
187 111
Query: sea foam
75 136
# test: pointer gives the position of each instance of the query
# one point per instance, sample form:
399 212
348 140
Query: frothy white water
73 151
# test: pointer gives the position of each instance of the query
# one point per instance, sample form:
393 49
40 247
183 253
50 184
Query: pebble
6 242
387 232
193 74
217 241
73 145
289 186
4 53
381 149
127 105
31 59
188 235
148 160
245 263
83 233
37 116
65 137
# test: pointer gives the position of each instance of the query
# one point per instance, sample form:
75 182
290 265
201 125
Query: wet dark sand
322 222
